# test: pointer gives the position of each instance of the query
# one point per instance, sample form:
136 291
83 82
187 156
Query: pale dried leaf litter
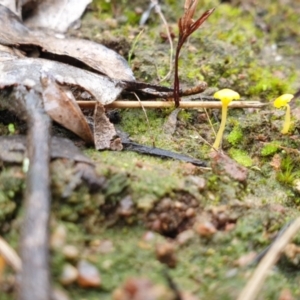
58 15
96 56
27 71
59 102
12 5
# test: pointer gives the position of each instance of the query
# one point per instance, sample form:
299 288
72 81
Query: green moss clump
270 148
242 157
288 171
235 136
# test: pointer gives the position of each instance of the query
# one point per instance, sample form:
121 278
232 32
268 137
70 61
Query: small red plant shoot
186 26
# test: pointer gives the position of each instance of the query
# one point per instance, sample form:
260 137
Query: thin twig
256 281
169 104
163 91
35 275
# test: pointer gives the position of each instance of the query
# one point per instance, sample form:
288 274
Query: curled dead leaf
62 107
104 131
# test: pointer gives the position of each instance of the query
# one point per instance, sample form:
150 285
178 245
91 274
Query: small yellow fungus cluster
283 101
226 96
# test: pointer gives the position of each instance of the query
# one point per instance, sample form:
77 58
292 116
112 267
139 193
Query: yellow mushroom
283 101
226 96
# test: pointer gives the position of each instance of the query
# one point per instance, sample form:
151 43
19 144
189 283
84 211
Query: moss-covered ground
212 220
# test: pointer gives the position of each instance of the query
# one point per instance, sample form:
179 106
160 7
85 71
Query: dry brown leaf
62 107
56 14
98 57
27 71
104 131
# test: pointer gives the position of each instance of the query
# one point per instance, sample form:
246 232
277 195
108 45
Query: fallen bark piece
104 130
35 274
61 106
57 15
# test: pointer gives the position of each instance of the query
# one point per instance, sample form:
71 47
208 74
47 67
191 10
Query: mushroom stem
219 136
287 120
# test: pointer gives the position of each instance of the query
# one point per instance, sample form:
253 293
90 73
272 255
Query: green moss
270 148
242 157
288 171
235 136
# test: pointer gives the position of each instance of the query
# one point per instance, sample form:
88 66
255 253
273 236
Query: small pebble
190 212
245 259
88 275
58 294
205 229
69 274
185 236
58 237
165 253
70 252
106 246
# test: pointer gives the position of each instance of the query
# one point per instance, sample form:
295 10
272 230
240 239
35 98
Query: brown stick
166 104
35 277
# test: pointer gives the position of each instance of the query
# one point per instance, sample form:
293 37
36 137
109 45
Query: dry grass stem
256 281
10 256
168 104
161 15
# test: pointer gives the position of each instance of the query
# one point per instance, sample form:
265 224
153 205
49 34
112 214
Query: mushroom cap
226 95
283 100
